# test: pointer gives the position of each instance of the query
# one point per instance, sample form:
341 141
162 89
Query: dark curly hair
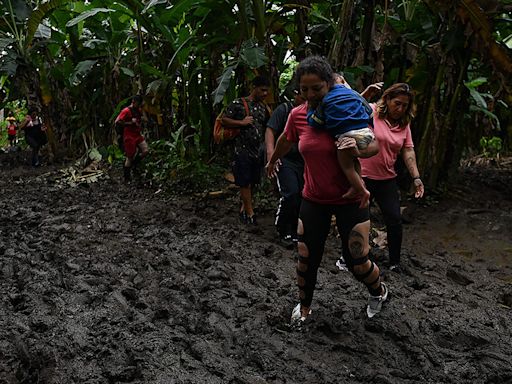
315 65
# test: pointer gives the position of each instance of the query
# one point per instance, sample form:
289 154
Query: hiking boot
341 264
375 302
243 217
396 268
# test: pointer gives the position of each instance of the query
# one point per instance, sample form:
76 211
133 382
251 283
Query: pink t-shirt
324 181
391 141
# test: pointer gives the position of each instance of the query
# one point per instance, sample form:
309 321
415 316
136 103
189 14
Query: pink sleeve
290 130
408 137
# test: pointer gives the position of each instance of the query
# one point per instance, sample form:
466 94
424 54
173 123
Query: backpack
222 133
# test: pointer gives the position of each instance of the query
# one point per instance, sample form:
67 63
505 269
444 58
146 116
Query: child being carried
344 113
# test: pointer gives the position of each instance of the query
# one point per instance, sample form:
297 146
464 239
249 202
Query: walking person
325 184
290 175
248 114
135 146
35 135
12 127
392 117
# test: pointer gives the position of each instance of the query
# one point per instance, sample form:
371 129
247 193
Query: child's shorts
363 136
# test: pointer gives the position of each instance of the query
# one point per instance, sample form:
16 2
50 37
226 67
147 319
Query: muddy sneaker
396 268
341 264
297 319
287 241
375 302
251 220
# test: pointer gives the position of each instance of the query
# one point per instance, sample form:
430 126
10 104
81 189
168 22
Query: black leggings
386 195
316 220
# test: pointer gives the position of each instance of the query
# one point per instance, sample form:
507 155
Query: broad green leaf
5 42
253 55
43 32
38 15
86 15
152 3
81 70
154 87
480 101
94 155
149 70
488 113
224 80
476 82
21 9
127 71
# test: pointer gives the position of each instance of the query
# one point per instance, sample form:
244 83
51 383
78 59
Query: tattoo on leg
356 244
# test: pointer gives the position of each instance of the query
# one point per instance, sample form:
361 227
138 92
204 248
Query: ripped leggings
316 223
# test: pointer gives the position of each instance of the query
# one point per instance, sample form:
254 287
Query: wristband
416 178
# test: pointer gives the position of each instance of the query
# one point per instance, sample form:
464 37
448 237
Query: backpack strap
246 106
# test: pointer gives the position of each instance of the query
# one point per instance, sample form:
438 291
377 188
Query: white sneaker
375 302
341 264
297 315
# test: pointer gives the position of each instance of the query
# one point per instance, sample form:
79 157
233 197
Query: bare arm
270 142
232 123
372 90
409 157
283 146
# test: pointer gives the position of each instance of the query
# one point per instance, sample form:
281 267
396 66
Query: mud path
105 283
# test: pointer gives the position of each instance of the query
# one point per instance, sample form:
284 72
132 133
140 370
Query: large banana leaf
85 15
252 55
223 80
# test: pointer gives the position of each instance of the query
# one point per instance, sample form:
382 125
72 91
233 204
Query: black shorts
11 137
246 169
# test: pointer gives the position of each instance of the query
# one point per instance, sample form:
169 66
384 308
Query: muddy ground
108 283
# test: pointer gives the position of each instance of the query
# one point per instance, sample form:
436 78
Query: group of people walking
331 153
35 133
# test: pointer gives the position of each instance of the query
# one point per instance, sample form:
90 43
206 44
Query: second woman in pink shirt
392 116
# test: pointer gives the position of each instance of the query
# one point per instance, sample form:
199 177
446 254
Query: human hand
347 143
419 187
272 168
373 89
248 120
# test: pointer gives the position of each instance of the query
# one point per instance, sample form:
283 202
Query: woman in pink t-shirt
325 184
392 116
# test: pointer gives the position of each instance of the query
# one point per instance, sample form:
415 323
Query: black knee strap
359 260
300 238
303 259
301 274
367 273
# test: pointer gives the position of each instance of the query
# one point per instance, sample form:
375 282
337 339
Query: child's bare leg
357 189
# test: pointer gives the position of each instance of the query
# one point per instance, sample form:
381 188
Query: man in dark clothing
290 178
248 114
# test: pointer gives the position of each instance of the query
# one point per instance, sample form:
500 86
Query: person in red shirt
11 128
130 120
325 185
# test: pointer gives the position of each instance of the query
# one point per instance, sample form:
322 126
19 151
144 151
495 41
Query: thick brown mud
108 283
